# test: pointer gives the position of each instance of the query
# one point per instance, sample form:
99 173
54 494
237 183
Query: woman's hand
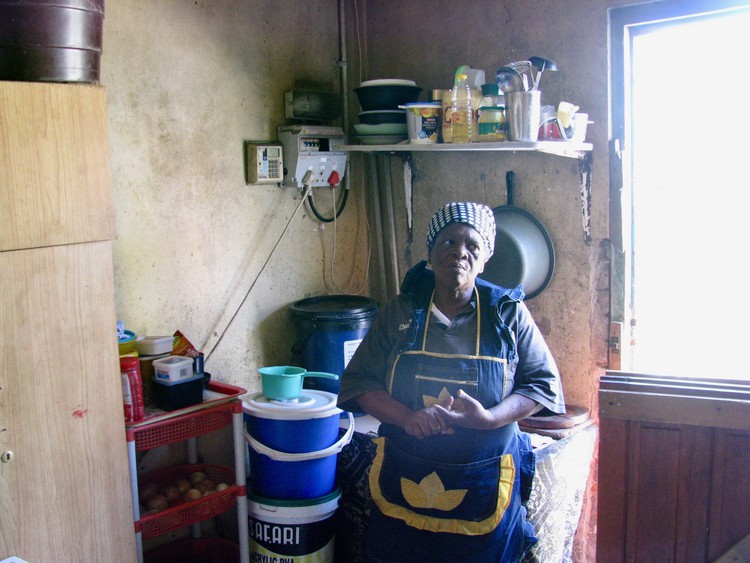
418 423
429 421
467 412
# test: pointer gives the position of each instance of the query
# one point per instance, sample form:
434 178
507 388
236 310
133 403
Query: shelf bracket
585 167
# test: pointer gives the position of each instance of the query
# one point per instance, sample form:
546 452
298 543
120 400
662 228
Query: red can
132 388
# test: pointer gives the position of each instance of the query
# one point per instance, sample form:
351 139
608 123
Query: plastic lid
387 82
335 307
490 90
418 105
333 495
169 383
311 403
463 69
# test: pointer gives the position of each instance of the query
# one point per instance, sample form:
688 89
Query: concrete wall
187 82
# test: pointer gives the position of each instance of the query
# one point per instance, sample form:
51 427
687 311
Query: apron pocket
433 384
468 499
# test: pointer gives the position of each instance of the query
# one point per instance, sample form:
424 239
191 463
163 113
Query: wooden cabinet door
673 458
55 177
65 495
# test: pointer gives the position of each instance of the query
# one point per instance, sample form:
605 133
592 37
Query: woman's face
458 256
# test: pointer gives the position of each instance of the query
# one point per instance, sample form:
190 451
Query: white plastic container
423 122
580 124
154 345
173 368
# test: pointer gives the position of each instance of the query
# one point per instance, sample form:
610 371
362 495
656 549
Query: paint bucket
51 40
329 329
294 445
292 530
423 122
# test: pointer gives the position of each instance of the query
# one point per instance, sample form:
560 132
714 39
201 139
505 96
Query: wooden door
64 479
64 496
673 458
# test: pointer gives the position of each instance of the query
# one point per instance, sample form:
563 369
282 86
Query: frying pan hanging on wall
524 253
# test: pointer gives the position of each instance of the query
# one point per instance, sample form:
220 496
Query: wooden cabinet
674 483
64 493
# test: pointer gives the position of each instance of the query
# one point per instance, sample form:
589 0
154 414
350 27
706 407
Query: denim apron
454 497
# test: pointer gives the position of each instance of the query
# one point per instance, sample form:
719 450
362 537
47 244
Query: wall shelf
582 152
558 148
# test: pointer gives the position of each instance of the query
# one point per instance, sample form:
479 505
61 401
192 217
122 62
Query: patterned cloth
562 471
352 473
476 215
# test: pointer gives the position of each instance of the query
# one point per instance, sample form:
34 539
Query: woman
448 368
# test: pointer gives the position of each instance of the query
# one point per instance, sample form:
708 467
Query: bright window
687 140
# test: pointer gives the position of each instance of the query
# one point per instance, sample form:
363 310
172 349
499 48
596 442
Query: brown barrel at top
51 40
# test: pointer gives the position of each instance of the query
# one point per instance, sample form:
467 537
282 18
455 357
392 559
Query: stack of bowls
381 121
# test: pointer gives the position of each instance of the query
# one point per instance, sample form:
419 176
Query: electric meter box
264 163
312 147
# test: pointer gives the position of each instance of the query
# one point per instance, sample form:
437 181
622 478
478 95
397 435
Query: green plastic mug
283 383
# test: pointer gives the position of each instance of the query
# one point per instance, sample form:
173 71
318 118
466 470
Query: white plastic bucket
303 531
423 122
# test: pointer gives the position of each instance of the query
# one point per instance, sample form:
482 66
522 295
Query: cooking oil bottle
462 111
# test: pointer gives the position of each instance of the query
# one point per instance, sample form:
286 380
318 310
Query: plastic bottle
132 388
446 116
462 112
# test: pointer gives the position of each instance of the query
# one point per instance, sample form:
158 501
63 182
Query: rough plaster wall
187 82
405 40
572 311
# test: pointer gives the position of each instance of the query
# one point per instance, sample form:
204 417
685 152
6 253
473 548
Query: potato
192 494
204 486
221 487
197 477
183 485
157 502
171 493
147 491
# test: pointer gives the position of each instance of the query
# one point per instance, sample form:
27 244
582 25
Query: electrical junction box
264 163
312 147
306 105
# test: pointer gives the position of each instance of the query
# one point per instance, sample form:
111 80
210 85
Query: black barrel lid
334 307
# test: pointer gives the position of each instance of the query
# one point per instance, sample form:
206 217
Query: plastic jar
491 125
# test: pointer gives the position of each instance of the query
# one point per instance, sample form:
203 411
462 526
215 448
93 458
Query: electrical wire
336 214
359 39
263 267
369 249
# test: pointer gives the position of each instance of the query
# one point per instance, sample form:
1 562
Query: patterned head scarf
476 215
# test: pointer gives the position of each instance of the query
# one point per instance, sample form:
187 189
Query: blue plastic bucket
293 446
293 530
329 329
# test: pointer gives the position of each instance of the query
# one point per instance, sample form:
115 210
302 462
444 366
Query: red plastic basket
203 550
193 511
183 427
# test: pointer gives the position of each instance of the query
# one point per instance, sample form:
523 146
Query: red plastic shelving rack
222 409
